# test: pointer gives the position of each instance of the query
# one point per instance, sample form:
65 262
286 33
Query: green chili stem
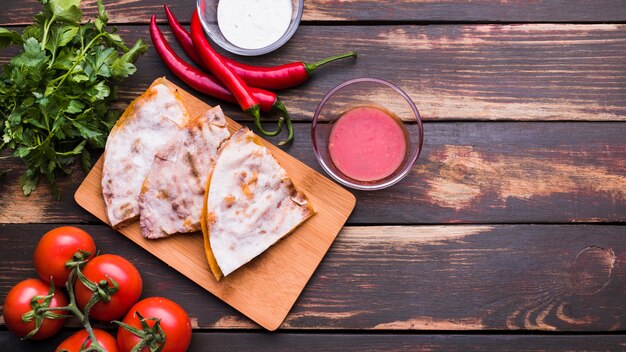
256 115
284 116
310 67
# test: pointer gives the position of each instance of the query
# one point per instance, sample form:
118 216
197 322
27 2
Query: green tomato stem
154 337
82 316
41 310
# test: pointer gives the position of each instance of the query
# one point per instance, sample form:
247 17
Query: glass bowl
367 92
207 11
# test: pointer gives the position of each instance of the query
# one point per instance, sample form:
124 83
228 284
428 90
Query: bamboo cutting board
266 288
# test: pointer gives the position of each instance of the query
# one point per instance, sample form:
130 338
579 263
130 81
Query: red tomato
107 267
58 246
74 342
18 302
174 322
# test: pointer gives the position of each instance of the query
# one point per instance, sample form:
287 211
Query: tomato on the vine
106 268
57 247
173 320
76 341
18 301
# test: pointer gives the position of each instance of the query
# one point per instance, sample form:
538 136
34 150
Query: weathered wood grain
533 72
468 172
381 282
139 11
458 277
277 342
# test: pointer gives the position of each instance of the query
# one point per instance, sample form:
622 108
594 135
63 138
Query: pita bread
147 124
250 204
172 195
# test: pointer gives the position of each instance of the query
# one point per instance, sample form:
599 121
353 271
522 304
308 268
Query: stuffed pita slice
172 195
148 123
250 204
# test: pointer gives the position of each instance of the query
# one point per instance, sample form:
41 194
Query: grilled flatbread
147 124
250 204
172 195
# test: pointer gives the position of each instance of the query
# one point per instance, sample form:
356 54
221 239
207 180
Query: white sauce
253 24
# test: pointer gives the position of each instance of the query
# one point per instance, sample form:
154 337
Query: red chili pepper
280 77
207 84
231 80
183 37
268 77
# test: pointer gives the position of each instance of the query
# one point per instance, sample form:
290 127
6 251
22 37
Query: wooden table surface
507 235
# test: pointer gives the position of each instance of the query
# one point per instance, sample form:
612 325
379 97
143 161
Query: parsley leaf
66 10
55 94
7 37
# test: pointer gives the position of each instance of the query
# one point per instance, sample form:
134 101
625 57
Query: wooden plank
265 289
532 72
276 342
468 172
139 11
459 277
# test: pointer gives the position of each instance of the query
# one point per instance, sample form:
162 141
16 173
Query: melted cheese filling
251 203
173 192
148 123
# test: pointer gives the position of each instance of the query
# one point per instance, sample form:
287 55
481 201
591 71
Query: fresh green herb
55 95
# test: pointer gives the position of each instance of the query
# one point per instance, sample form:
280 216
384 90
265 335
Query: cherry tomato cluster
104 287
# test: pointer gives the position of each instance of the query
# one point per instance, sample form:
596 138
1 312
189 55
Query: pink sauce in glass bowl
367 143
367 134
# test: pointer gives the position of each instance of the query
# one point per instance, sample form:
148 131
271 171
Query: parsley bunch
55 94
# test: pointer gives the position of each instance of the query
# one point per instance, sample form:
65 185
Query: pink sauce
367 144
